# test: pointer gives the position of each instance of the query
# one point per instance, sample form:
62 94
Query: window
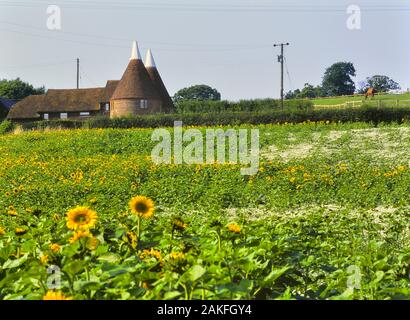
63 115
107 107
45 116
84 114
144 104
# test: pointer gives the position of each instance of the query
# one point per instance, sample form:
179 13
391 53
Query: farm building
5 106
140 91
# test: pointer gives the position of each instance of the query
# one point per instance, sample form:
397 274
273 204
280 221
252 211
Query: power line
61 39
40 65
83 73
192 49
303 8
287 72
122 39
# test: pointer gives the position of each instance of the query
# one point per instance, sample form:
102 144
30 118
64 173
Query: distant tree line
337 81
18 89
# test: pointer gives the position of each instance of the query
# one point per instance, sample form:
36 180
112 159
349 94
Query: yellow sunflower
12 212
233 227
20 231
44 259
2 231
151 253
132 239
179 224
81 218
92 243
55 247
142 206
55 295
177 256
80 235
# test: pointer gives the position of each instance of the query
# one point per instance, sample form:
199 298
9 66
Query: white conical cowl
149 61
135 54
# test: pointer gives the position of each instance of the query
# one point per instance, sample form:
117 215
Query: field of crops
326 217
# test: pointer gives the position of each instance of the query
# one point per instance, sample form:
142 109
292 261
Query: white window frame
84 114
46 116
63 115
107 107
144 104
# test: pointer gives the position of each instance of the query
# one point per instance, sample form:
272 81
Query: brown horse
370 93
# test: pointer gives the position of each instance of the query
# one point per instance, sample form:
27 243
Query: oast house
140 91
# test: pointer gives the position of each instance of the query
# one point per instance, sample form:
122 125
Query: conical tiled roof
136 82
158 83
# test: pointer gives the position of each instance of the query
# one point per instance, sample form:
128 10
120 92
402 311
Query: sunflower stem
87 274
172 240
138 230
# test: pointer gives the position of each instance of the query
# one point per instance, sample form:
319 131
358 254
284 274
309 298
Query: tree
337 80
18 89
292 94
380 83
198 92
308 91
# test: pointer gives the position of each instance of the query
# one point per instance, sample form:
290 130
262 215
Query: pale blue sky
224 43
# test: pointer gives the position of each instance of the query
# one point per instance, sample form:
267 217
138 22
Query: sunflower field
86 214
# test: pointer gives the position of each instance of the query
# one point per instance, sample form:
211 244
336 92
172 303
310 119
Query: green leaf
29 245
172 295
245 285
379 277
194 273
9 264
110 258
74 267
6 252
71 250
274 275
87 285
346 295
101 250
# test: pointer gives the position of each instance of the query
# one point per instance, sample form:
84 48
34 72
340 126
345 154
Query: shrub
259 105
366 114
6 126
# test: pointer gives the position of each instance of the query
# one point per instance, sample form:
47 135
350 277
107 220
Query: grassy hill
387 99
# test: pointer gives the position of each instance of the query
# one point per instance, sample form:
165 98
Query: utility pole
78 73
281 60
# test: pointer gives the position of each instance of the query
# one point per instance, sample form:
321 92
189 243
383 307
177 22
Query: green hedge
367 114
6 126
259 105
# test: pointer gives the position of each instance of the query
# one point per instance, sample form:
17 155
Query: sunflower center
81 218
141 207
